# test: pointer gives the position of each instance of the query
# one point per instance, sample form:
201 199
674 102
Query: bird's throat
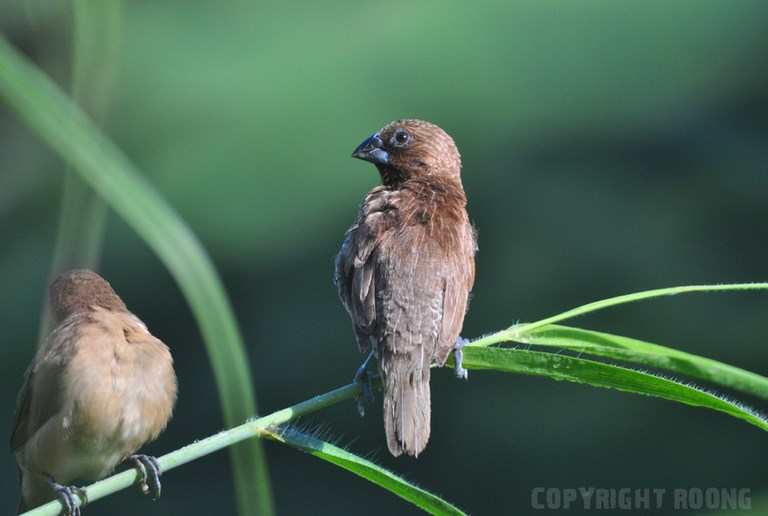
390 176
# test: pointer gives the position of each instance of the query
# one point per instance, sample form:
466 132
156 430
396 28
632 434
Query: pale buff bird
99 387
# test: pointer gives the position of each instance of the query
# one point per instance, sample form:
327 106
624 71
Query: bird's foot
70 497
148 474
458 355
364 380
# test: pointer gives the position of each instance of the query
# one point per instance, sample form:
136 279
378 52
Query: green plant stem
518 330
214 443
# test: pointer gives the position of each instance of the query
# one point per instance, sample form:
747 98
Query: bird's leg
148 474
68 496
458 355
363 380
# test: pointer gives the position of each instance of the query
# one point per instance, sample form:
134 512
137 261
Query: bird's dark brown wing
459 280
43 383
20 432
30 418
354 268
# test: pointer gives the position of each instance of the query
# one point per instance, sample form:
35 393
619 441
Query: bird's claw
365 395
70 497
458 355
148 474
364 381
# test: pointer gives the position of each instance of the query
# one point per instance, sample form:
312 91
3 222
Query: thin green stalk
518 330
83 213
214 443
59 122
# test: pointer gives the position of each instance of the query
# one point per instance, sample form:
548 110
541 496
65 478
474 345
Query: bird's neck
436 190
395 179
439 205
390 176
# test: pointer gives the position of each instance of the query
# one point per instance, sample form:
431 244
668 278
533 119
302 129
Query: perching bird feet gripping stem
458 354
149 474
364 379
68 496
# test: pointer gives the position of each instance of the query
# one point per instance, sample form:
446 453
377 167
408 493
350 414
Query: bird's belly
55 450
89 464
108 422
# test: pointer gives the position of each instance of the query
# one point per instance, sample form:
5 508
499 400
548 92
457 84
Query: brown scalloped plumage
405 271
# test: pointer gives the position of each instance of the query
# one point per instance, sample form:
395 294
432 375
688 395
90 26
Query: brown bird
98 388
406 268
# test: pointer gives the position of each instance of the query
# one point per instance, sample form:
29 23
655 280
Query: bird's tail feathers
406 403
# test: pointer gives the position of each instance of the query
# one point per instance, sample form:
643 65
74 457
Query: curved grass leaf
83 213
640 296
515 333
598 374
60 123
645 353
421 498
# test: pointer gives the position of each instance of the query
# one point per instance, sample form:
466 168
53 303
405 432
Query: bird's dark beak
372 149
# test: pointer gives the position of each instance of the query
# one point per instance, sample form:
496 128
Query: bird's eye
401 138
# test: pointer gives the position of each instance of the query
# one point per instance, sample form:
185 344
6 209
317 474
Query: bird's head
80 289
405 149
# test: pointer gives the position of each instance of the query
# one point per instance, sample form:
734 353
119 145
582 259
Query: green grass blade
639 296
649 354
96 46
366 469
59 122
597 374
518 331
83 213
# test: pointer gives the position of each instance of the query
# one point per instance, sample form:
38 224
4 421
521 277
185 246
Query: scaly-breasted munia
406 268
99 387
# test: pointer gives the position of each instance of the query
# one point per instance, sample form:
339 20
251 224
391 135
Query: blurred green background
608 147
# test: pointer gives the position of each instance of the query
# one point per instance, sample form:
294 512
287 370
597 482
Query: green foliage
365 469
579 370
648 354
519 330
